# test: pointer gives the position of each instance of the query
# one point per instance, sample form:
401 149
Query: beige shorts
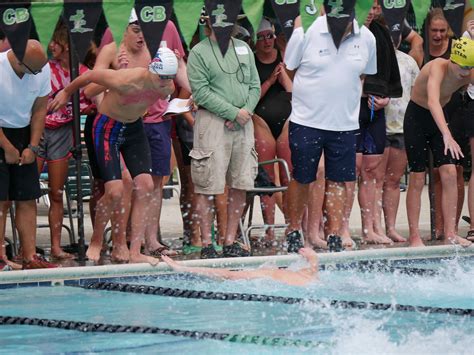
221 156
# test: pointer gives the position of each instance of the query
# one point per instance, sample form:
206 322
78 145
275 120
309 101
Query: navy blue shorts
112 138
371 138
159 139
307 144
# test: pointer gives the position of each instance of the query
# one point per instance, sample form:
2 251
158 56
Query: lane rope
252 297
88 327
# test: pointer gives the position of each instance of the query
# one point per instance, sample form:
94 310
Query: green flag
117 13
45 15
362 8
188 13
420 7
254 11
309 11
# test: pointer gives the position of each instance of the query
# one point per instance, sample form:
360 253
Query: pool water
337 330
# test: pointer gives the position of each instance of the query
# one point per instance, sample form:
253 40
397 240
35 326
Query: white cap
265 25
133 16
165 63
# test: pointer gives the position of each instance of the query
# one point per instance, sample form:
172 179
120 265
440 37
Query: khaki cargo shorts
221 156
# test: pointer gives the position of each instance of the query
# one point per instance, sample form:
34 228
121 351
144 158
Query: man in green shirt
226 89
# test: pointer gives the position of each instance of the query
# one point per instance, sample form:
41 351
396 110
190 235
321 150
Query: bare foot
457 240
93 252
397 238
120 254
317 243
140 258
377 239
13 265
347 242
61 255
345 233
415 241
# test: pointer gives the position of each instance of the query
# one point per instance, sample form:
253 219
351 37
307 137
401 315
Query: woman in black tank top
271 114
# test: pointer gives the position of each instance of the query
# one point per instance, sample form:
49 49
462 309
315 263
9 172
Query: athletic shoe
209 252
235 250
294 241
38 262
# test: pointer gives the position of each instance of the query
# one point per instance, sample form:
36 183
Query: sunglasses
34 72
267 36
167 77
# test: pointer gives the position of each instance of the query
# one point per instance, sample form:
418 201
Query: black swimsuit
275 106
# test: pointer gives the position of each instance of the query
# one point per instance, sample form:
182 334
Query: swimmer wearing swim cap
462 53
165 64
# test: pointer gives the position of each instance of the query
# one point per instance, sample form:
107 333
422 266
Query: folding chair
246 231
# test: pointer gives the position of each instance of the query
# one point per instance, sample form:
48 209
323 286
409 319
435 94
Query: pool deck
171 229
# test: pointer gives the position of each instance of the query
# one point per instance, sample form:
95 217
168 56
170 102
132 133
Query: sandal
164 250
190 249
470 235
62 256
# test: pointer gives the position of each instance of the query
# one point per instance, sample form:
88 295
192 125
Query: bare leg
413 203
460 185
379 179
367 199
396 163
119 221
204 212
349 187
265 145
26 225
139 219
334 206
220 204
235 207
107 204
315 210
297 200
438 188
57 172
449 203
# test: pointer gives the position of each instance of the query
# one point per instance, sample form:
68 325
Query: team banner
286 11
223 15
81 19
395 12
310 10
454 12
188 13
153 16
339 13
16 24
254 11
420 7
117 13
45 16
362 10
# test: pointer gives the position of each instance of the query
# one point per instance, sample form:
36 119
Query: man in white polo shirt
325 114
25 86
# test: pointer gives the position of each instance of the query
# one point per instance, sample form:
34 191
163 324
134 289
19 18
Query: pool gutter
59 275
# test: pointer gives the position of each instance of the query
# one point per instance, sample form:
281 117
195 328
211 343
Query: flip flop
190 249
470 235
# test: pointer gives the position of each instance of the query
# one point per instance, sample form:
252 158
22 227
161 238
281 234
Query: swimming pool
308 326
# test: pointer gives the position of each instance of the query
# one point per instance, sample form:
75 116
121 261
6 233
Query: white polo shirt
18 94
327 86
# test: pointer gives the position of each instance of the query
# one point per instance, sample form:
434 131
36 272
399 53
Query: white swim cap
133 16
165 63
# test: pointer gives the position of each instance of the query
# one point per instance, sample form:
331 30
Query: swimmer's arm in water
433 87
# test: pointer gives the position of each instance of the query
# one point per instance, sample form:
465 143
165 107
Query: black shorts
396 141
421 132
112 138
370 139
184 132
90 146
18 183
